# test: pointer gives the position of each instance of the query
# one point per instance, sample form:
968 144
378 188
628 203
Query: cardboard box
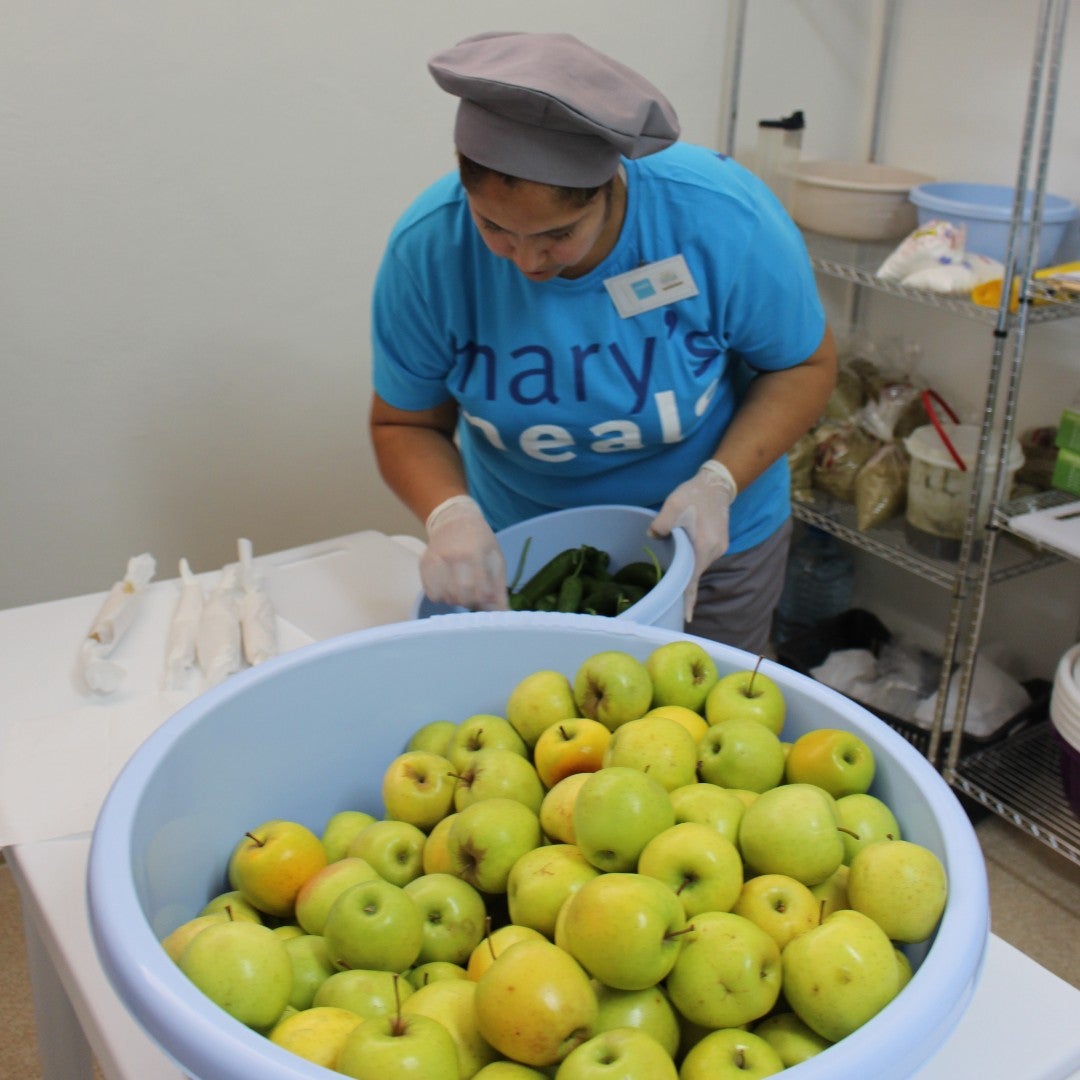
1066 475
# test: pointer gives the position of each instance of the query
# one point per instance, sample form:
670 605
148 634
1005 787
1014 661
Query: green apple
404 1047
418 787
792 830
176 941
243 967
488 837
454 917
707 804
657 745
311 965
838 761
648 1010
316 1034
728 972
364 991
287 931
434 736
318 893
790 1038
393 849
570 746
374 925
497 773
624 929
780 905
613 687
741 753
701 867
483 731
557 809
434 971
901 885
271 862
453 1003
682 673
840 974
234 905
731 1055
746 695
535 1003
509 1070
831 894
340 829
616 813
626 1053
539 700
863 819
540 882
903 966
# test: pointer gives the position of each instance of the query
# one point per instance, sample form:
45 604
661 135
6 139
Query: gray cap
549 108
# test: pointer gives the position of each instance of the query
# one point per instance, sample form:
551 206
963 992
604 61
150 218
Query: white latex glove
463 563
701 505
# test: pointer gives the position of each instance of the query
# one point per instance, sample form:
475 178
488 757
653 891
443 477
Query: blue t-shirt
562 401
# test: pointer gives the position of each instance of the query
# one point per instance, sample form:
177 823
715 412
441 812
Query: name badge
651 286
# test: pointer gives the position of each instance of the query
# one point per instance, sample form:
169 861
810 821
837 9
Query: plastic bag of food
922 248
801 465
839 457
881 486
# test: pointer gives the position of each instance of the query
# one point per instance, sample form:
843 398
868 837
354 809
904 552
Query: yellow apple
568 747
495 944
435 858
539 700
271 863
316 1034
780 905
694 722
174 943
557 808
453 1003
901 885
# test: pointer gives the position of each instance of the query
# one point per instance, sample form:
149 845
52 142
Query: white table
1022 1023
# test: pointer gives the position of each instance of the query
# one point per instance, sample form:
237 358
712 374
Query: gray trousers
738 594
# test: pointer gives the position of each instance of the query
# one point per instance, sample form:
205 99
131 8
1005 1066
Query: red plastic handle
933 395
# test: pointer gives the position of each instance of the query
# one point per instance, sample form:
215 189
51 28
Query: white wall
193 199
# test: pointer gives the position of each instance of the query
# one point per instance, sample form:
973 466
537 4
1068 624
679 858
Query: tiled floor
1034 903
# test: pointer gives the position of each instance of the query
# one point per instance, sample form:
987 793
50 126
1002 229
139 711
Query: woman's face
544 236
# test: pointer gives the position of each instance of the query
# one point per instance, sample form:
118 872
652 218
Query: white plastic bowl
621 531
855 200
310 732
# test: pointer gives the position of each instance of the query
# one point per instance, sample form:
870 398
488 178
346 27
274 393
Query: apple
792 830
271 862
509 1070
903 967
616 813
374 925
488 837
901 885
657 745
612 686
234 905
454 917
540 882
701 867
790 1038
624 929
535 1003
707 804
831 894
418 787
452 1002
435 858
316 1034
682 674
838 761
747 695
434 736
287 931
840 974
407 1047
498 773
539 700
495 944
557 809
434 971
648 1009
570 746
780 905
728 972
311 966
863 819
626 1053
243 967
730 1055
340 829
741 753
318 893
393 849
694 722
176 941
363 991
480 731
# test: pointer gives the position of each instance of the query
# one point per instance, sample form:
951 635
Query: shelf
858 262
1019 779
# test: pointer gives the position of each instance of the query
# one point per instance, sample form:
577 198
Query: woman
590 311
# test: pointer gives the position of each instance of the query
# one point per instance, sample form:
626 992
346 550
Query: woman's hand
463 563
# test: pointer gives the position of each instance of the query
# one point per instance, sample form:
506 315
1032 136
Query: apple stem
255 839
753 675
740 1058
821 913
229 912
397 1025
853 835
689 929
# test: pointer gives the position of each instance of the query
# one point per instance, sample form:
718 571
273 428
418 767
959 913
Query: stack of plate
1065 717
